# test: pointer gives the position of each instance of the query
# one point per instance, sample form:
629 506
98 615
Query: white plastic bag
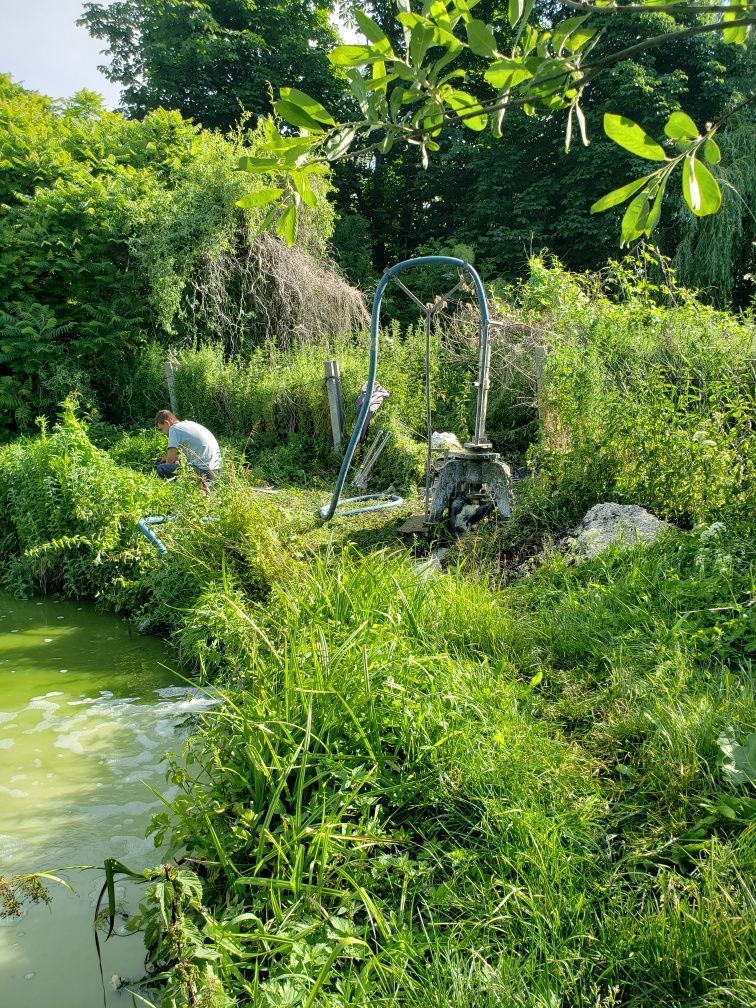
444 440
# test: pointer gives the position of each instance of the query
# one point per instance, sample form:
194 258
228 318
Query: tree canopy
213 59
635 91
411 93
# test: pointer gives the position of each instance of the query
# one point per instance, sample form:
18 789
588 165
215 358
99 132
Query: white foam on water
13 792
91 759
10 843
40 703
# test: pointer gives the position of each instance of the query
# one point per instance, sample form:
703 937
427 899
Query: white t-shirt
199 446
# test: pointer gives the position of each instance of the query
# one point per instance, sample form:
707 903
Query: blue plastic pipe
144 527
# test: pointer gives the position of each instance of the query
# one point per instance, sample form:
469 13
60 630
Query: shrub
643 403
69 513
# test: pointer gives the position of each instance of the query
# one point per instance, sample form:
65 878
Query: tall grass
272 405
416 787
645 403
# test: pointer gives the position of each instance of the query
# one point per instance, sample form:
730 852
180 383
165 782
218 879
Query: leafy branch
700 189
413 95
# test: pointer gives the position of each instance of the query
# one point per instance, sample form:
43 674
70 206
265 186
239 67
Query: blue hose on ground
144 527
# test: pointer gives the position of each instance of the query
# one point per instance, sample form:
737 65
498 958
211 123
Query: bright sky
42 49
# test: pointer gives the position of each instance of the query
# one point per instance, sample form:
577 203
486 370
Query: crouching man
196 443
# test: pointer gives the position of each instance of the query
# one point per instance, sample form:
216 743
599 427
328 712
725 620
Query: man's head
165 419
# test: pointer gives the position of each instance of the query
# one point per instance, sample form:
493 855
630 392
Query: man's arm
172 456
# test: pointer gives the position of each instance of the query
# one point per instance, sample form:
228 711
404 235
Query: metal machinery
464 484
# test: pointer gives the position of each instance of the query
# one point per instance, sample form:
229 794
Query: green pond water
86 713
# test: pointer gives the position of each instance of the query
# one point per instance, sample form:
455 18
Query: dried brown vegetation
262 291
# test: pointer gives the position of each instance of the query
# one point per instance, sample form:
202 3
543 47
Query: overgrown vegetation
502 197
473 788
118 233
648 396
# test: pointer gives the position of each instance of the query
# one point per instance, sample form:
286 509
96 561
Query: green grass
386 771
468 788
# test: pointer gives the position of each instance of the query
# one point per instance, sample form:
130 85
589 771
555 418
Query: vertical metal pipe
483 383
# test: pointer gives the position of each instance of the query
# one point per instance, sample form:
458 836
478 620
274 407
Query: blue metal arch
327 512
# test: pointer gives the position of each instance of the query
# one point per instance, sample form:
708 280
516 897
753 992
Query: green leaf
305 190
403 71
634 221
463 103
655 212
632 137
739 35
387 143
259 198
339 143
350 55
409 19
430 118
434 71
295 152
373 33
287 225
700 188
680 126
516 7
296 116
529 39
309 105
711 151
358 89
506 74
258 164
617 196
577 40
550 77
420 42
563 30
481 38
